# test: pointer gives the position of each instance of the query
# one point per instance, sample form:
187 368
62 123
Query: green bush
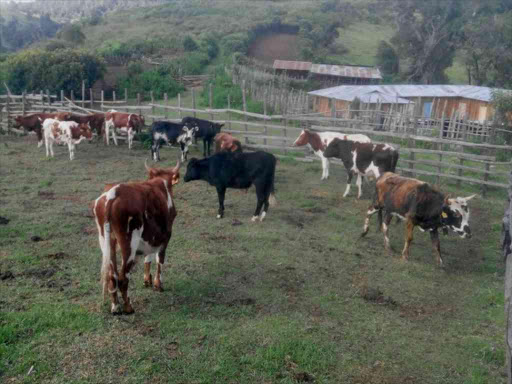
153 80
189 44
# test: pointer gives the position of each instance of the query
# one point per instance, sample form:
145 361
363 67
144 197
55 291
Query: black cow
362 159
171 133
205 130
420 205
237 170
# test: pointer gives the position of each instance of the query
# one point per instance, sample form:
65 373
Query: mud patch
40 273
375 295
4 221
241 302
60 284
58 256
46 195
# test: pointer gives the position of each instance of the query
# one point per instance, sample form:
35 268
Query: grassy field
297 298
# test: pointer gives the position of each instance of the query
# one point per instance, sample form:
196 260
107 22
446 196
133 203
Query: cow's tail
272 198
394 161
107 250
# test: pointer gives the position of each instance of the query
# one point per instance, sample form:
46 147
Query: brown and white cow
319 141
226 142
125 123
420 205
34 122
95 121
137 217
362 159
64 132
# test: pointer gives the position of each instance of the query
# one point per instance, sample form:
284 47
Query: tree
427 37
72 33
189 44
387 58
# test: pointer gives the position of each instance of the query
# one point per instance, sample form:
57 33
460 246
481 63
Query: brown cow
35 121
95 121
137 216
127 124
420 205
226 142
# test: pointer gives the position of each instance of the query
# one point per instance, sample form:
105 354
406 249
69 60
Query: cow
226 142
237 170
171 133
95 121
126 124
205 129
420 205
362 159
35 121
64 132
318 141
138 217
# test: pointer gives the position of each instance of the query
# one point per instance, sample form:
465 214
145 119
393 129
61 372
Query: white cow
318 141
64 132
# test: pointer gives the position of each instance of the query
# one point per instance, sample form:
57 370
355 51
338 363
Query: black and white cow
237 170
362 159
206 130
420 205
170 133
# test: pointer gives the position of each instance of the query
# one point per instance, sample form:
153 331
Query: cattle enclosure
294 299
442 151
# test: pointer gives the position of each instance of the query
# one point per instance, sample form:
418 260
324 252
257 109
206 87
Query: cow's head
18 121
85 131
455 215
193 170
217 127
302 140
171 175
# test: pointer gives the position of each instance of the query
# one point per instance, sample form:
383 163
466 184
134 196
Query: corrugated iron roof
346 71
292 65
376 98
349 92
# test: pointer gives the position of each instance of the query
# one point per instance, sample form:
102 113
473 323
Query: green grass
277 302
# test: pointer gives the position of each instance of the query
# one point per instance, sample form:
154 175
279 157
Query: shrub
189 44
148 81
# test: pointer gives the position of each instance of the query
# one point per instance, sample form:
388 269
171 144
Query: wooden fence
422 153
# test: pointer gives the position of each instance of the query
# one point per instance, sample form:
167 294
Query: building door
482 113
427 109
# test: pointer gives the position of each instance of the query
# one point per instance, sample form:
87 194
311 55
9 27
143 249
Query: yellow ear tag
444 215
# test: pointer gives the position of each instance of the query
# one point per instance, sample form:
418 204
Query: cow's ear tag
444 215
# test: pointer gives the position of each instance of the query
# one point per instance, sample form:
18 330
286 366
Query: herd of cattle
138 217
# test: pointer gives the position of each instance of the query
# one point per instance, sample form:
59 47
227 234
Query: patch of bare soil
282 46
58 256
46 195
378 373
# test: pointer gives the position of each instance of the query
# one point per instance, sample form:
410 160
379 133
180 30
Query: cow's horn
146 165
178 165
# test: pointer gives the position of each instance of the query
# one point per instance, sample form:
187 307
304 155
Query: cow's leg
184 150
107 132
39 133
349 181
154 150
358 183
47 145
148 279
221 193
204 146
260 194
114 135
71 148
385 228
371 211
436 244
160 259
51 147
112 278
209 145
129 246
131 135
408 239
325 168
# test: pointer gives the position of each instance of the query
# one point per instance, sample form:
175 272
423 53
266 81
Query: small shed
297 69
345 74
430 101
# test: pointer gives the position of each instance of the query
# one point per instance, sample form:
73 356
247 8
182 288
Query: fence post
42 99
152 105
102 98
194 102
23 101
245 109
138 102
439 169
114 96
91 97
83 93
73 96
285 133
49 98
210 99
459 172
229 111
486 179
7 110
166 102
265 131
126 95
62 97
333 108
179 104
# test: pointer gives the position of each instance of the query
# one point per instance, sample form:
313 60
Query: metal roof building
346 71
292 65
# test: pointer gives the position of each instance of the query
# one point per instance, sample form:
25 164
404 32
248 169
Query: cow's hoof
148 284
158 288
263 214
254 218
116 309
219 216
128 309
